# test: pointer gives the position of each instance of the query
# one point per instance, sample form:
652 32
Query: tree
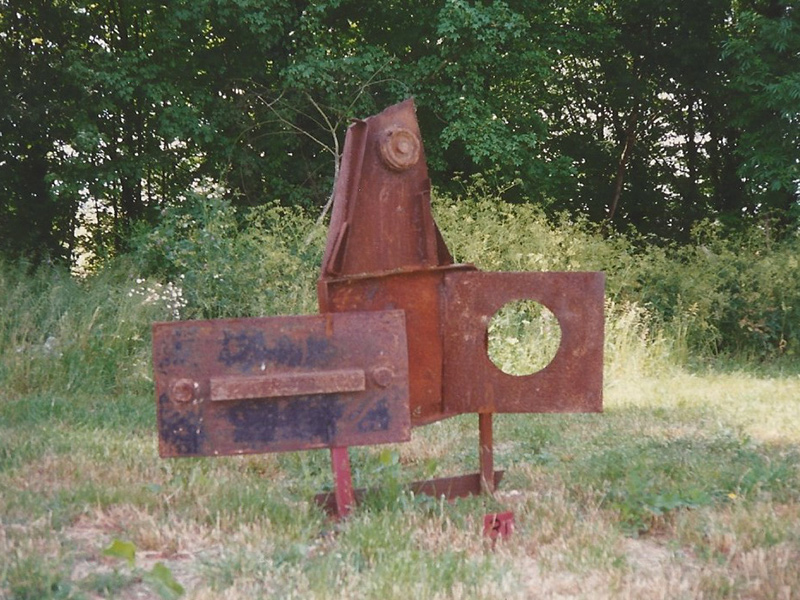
764 57
38 99
117 108
636 113
472 68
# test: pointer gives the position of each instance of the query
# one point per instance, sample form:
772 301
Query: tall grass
64 335
664 307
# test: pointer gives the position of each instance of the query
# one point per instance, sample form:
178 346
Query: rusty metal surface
385 252
419 294
287 384
381 219
344 498
498 525
240 386
572 382
486 452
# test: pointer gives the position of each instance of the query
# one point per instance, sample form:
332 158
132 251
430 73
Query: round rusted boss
182 390
400 148
382 376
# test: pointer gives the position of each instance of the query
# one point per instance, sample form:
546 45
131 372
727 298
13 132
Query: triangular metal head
381 220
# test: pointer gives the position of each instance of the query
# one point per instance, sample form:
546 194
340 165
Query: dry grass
243 528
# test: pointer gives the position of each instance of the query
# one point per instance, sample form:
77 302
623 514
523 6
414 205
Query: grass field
688 486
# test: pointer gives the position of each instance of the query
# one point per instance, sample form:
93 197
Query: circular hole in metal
523 337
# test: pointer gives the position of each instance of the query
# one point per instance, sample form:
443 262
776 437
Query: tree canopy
652 115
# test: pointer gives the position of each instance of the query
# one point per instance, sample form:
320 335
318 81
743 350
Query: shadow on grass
757 367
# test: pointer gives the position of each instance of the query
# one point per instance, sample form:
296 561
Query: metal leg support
342 481
486 452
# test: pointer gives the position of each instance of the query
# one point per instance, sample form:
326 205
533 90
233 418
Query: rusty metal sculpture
401 340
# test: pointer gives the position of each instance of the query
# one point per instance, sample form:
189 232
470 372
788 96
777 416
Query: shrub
228 265
737 295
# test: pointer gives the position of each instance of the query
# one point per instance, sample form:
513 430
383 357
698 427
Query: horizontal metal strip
287 384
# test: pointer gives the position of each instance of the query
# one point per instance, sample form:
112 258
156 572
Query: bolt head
182 391
400 148
382 376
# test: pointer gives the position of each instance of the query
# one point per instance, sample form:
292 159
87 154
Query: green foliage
647 481
159 577
108 585
263 263
40 101
733 295
59 333
764 52
722 293
123 550
33 578
523 337
645 115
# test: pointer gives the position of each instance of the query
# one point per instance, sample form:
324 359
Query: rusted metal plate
572 382
381 219
419 293
287 384
240 386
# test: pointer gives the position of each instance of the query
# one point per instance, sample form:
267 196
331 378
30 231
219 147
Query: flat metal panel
241 386
419 293
572 382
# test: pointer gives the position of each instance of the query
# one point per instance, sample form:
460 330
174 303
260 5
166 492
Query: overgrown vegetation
720 294
688 484
735 297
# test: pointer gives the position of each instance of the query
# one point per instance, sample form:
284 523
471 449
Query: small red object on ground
498 525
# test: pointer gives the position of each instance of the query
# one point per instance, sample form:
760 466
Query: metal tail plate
572 382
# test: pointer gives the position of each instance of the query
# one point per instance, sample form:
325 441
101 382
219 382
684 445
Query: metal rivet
382 376
182 390
400 148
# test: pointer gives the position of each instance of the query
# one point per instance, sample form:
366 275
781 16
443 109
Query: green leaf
161 576
389 457
123 550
